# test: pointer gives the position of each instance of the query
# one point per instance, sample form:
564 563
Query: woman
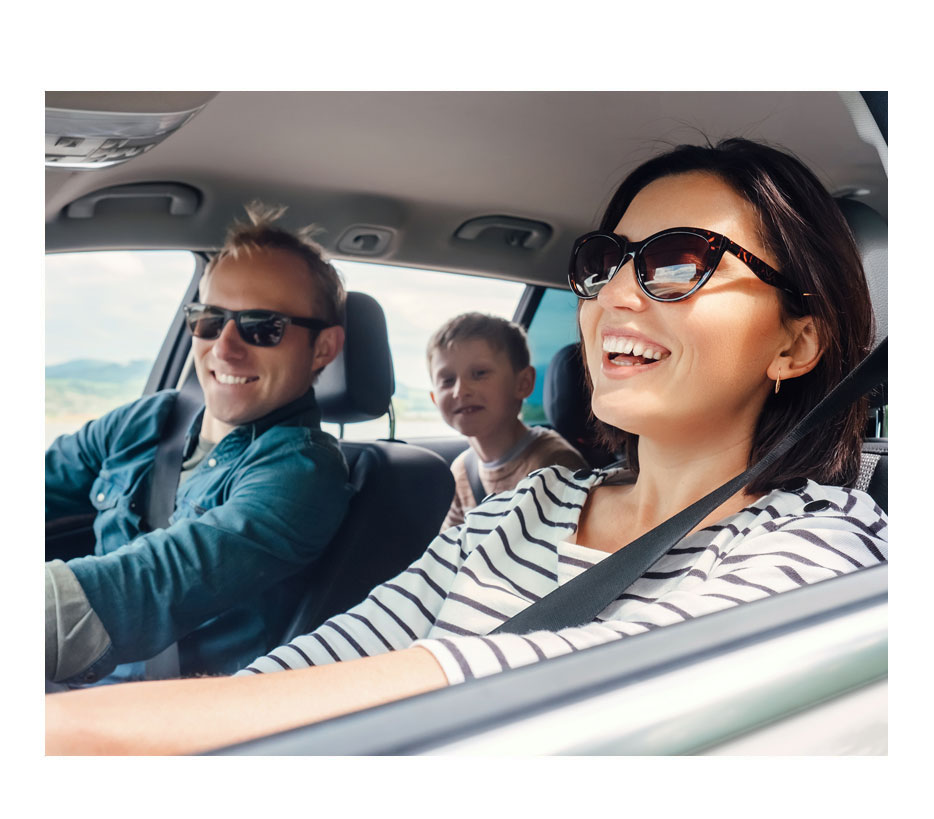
704 344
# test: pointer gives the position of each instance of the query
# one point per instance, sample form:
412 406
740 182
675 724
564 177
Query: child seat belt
160 504
581 599
471 465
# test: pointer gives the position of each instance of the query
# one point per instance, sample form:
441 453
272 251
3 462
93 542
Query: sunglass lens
262 327
204 322
595 260
672 265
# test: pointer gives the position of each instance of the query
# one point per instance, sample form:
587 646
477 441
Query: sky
115 306
125 301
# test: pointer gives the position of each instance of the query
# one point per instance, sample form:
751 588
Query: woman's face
709 353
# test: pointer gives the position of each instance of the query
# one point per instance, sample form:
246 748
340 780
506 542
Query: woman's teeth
620 345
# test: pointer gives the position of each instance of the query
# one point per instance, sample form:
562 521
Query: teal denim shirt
263 505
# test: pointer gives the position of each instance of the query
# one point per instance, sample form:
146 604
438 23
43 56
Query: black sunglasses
261 328
670 265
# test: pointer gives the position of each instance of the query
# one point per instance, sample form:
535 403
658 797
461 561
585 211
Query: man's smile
227 378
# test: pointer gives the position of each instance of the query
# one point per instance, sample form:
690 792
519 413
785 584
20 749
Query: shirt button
212 462
795 484
816 506
100 497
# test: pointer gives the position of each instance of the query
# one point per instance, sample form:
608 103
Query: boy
479 367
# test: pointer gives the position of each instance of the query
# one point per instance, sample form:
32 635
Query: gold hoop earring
778 382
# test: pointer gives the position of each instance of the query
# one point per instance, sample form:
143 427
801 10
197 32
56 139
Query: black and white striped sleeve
392 616
776 556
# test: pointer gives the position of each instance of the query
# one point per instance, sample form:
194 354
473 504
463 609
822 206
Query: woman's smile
627 353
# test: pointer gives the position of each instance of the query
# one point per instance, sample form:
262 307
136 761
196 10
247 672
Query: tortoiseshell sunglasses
670 265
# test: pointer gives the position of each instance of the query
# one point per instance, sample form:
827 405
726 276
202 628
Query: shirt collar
302 412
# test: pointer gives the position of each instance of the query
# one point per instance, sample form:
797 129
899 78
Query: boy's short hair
260 233
501 334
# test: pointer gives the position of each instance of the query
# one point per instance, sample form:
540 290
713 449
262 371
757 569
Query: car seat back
567 405
402 491
871 233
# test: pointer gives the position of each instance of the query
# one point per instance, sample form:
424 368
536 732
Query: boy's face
476 388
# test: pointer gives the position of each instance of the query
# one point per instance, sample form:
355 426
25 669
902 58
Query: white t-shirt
512 550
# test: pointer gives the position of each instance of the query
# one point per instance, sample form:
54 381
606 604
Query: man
262 489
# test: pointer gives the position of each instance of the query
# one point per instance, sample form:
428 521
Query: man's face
242 382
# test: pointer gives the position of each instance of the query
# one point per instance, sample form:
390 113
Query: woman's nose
623 291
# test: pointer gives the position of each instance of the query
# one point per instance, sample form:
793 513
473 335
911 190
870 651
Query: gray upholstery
874 471
565 394
358 385
871 233
401 491
567 405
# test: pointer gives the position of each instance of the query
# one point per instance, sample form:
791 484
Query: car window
106 316
416 303
553 326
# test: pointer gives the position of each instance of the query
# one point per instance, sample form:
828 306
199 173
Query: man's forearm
190 716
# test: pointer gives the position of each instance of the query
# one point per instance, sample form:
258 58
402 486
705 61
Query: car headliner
423 163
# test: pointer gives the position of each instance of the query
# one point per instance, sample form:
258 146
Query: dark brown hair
801 225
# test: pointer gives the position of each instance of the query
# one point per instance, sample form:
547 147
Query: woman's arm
195 715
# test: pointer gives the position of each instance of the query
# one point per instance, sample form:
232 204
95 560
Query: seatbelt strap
582 598
166 469
472 467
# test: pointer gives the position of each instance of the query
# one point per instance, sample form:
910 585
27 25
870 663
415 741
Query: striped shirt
512 551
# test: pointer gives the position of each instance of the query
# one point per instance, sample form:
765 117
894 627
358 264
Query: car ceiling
423 163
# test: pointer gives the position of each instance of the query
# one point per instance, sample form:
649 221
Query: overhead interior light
87 140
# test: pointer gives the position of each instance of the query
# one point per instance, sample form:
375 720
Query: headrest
359 383
567 404
872 237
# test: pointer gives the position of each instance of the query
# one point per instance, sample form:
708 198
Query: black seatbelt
471 465
581 599
160 504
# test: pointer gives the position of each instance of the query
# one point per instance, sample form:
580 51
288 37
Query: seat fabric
871 234
567 405
402 491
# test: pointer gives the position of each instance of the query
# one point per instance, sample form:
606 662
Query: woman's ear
801 353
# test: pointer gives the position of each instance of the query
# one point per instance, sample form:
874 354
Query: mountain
93 369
